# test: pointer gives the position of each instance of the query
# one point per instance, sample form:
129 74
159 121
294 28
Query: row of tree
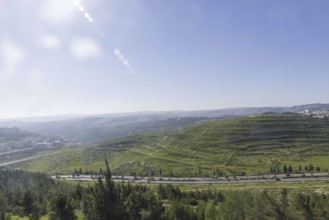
290 169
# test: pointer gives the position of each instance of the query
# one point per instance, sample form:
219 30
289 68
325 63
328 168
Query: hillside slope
16 139
249 145
92 129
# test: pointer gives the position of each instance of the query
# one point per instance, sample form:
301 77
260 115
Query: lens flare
82 9
117 52
121 57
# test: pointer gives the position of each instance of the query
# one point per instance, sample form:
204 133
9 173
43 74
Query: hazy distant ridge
98 128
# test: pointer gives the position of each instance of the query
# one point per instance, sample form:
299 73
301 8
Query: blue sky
105 56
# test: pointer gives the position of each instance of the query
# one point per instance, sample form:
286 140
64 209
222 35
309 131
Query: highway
186 180
38 155
219 180
16 151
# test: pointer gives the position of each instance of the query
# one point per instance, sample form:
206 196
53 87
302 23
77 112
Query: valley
190 165
257 145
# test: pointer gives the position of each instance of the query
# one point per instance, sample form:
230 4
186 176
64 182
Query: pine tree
106 201
78 193
211 212
285 168
28 202
2 215
61 208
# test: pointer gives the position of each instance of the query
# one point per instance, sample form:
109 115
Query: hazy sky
103 56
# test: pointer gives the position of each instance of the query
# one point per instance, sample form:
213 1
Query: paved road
16 151
219 180
29 158
174 180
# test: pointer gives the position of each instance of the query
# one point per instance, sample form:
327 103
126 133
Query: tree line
291 169
28 194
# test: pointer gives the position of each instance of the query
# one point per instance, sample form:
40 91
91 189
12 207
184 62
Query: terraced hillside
246 145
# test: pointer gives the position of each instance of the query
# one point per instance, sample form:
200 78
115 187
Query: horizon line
70 115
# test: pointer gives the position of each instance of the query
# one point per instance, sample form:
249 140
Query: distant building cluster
51 143
316 114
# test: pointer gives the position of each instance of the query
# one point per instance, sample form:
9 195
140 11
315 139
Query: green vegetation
26 195
245 145
245 203
270 143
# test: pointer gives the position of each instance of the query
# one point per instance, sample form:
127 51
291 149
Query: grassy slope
247 144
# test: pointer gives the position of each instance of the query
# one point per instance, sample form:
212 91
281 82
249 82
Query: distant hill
244 145
15 134
90 129
247 111
15 139
100 129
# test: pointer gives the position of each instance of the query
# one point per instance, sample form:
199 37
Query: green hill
250 145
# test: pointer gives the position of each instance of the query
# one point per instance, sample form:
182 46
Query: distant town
316 114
